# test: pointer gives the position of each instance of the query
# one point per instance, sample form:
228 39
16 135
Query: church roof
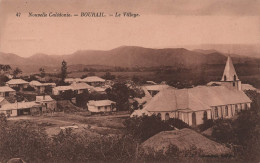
195 99
229 71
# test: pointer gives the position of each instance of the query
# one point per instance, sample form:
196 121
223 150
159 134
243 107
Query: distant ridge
127 56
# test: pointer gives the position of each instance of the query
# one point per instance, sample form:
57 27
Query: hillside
125 56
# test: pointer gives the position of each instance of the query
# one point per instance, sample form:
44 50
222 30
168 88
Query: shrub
142 128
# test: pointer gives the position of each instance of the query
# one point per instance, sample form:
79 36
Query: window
99 107
235 77
234 84
216 112
159 115
167 116
246 106
236 109
6 94
226 111
205 115
225 78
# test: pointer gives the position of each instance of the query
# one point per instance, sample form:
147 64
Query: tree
42 71
108 76
82 99
63 70
142 128
17 71
120 94
5 68
67 95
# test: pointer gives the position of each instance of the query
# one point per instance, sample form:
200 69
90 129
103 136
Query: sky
160 24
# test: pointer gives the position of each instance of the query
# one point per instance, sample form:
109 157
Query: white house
46 100
101 106
6 92
81 87
203 102
20 108
40 87
73 80
3 101
94 81
60 89
17 83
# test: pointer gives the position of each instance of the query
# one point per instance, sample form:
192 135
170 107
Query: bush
142 128
29 88
206 124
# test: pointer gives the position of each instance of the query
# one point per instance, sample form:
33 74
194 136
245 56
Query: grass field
92 125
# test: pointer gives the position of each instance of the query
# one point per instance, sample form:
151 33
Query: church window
225 78
216 112
236 109
226 111
235 77
167 116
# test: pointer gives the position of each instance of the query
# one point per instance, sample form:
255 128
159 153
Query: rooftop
17 81
6 89
20 105
197 98
93 79
45 98
78 86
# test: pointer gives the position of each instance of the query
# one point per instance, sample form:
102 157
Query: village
109 106
188 105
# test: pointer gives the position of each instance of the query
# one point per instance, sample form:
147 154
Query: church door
194 119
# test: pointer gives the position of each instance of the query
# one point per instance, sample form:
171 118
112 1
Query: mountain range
126 56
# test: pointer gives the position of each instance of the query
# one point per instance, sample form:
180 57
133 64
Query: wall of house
11 94
92 108
12 113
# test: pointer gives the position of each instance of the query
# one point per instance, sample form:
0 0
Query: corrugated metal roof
17 81
19 105
63 88
43 98
6 89
78 86
197 98
157 87
93 79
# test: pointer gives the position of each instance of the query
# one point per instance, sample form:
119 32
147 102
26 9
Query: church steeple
229 71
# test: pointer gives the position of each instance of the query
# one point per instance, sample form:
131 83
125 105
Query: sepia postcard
129 81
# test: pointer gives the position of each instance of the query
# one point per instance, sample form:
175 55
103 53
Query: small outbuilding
101 106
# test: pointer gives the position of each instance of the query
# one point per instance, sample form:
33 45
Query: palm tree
16 72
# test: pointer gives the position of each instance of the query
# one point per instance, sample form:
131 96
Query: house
6 92
41 87
94 81
17 83
73 80
154 89
81 87
100 90
101 106
21 108
3 101
192 105
60 89
46 100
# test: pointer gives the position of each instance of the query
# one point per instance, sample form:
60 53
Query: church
192 105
